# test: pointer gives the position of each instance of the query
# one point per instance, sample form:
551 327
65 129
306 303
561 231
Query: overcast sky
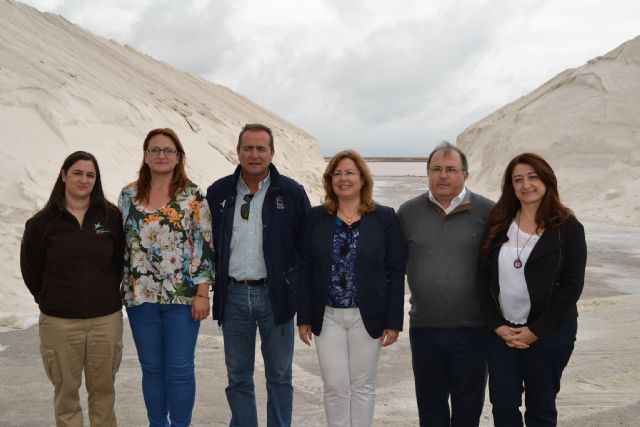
383 77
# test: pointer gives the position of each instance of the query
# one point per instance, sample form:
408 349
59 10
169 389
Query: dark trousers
536 371
449 362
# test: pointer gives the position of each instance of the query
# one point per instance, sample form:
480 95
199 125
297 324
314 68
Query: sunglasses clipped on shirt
246 206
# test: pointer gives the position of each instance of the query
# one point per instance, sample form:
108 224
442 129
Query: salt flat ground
601 386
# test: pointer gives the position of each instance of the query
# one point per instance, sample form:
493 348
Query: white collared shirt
454 203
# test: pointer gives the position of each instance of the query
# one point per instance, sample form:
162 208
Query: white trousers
348 359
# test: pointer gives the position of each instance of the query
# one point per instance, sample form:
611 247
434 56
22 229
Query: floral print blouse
169 251
342 289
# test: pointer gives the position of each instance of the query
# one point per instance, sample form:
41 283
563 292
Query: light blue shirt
246 261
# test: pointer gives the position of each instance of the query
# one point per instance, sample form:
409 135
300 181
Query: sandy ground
601 386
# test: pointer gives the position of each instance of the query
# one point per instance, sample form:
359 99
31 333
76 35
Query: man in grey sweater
443 230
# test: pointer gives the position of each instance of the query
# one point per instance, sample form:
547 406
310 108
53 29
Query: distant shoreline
392 159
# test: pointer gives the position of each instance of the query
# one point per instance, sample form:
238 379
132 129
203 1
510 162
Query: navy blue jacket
380 268
554 273
285 206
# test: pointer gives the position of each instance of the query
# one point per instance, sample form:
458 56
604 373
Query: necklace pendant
517 263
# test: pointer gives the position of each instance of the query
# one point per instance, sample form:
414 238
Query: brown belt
258 282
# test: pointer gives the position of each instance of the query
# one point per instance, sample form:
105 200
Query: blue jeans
449 361
165 336
245 308
536 371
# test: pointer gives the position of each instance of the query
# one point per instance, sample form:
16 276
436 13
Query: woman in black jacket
530 277
351 291
71 260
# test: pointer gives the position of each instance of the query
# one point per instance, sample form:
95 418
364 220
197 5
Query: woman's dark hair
56 199
551 212
179 181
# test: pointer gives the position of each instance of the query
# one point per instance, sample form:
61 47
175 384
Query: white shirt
454 203
514 294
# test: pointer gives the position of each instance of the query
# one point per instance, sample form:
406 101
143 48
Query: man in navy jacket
257 218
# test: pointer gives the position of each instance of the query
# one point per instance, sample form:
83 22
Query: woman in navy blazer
530 277
351 293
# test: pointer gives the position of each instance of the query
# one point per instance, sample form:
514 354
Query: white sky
384 77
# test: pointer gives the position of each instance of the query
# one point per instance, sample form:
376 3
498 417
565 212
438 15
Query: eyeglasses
449 170
246 206
346 174
168 151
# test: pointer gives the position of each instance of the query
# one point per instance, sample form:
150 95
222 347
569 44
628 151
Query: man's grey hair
447 147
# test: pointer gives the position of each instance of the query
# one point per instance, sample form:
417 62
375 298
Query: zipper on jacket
85 286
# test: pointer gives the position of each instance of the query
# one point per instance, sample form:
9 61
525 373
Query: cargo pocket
51 366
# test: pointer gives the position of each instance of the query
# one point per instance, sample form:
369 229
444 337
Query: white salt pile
586 123
64 89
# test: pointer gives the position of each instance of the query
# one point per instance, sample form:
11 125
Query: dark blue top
342 292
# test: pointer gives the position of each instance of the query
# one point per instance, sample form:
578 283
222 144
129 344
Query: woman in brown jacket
71 260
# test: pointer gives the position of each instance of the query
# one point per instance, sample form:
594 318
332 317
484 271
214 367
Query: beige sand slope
586 122
63 89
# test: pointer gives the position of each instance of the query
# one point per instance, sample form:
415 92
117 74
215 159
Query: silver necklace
518 262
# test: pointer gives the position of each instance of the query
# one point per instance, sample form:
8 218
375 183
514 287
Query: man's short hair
256 127
448 147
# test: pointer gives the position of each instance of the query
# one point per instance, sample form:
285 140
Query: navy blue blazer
283 211
379 273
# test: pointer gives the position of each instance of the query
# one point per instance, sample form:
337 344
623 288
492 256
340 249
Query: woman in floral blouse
167 275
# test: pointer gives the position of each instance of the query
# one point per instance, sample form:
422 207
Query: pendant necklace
518 263
347 219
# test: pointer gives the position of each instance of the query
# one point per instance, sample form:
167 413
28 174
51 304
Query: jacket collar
547 243
466 205
328 225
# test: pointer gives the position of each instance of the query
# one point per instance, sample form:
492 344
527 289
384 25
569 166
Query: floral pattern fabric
342 291
169 251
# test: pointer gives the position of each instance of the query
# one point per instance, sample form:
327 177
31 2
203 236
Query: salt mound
586 123
64 89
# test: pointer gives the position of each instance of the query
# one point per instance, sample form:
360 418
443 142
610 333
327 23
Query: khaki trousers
69 346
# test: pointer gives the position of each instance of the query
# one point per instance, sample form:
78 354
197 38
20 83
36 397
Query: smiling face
79 180
347 180
446 177
161 162
255 154
527 185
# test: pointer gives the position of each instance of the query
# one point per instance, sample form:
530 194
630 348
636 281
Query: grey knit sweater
443 254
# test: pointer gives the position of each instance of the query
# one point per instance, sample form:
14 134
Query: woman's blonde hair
367 204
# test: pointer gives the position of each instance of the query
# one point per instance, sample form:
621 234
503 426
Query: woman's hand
504 332
389 336
304 331
200 306
524 335
519 338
